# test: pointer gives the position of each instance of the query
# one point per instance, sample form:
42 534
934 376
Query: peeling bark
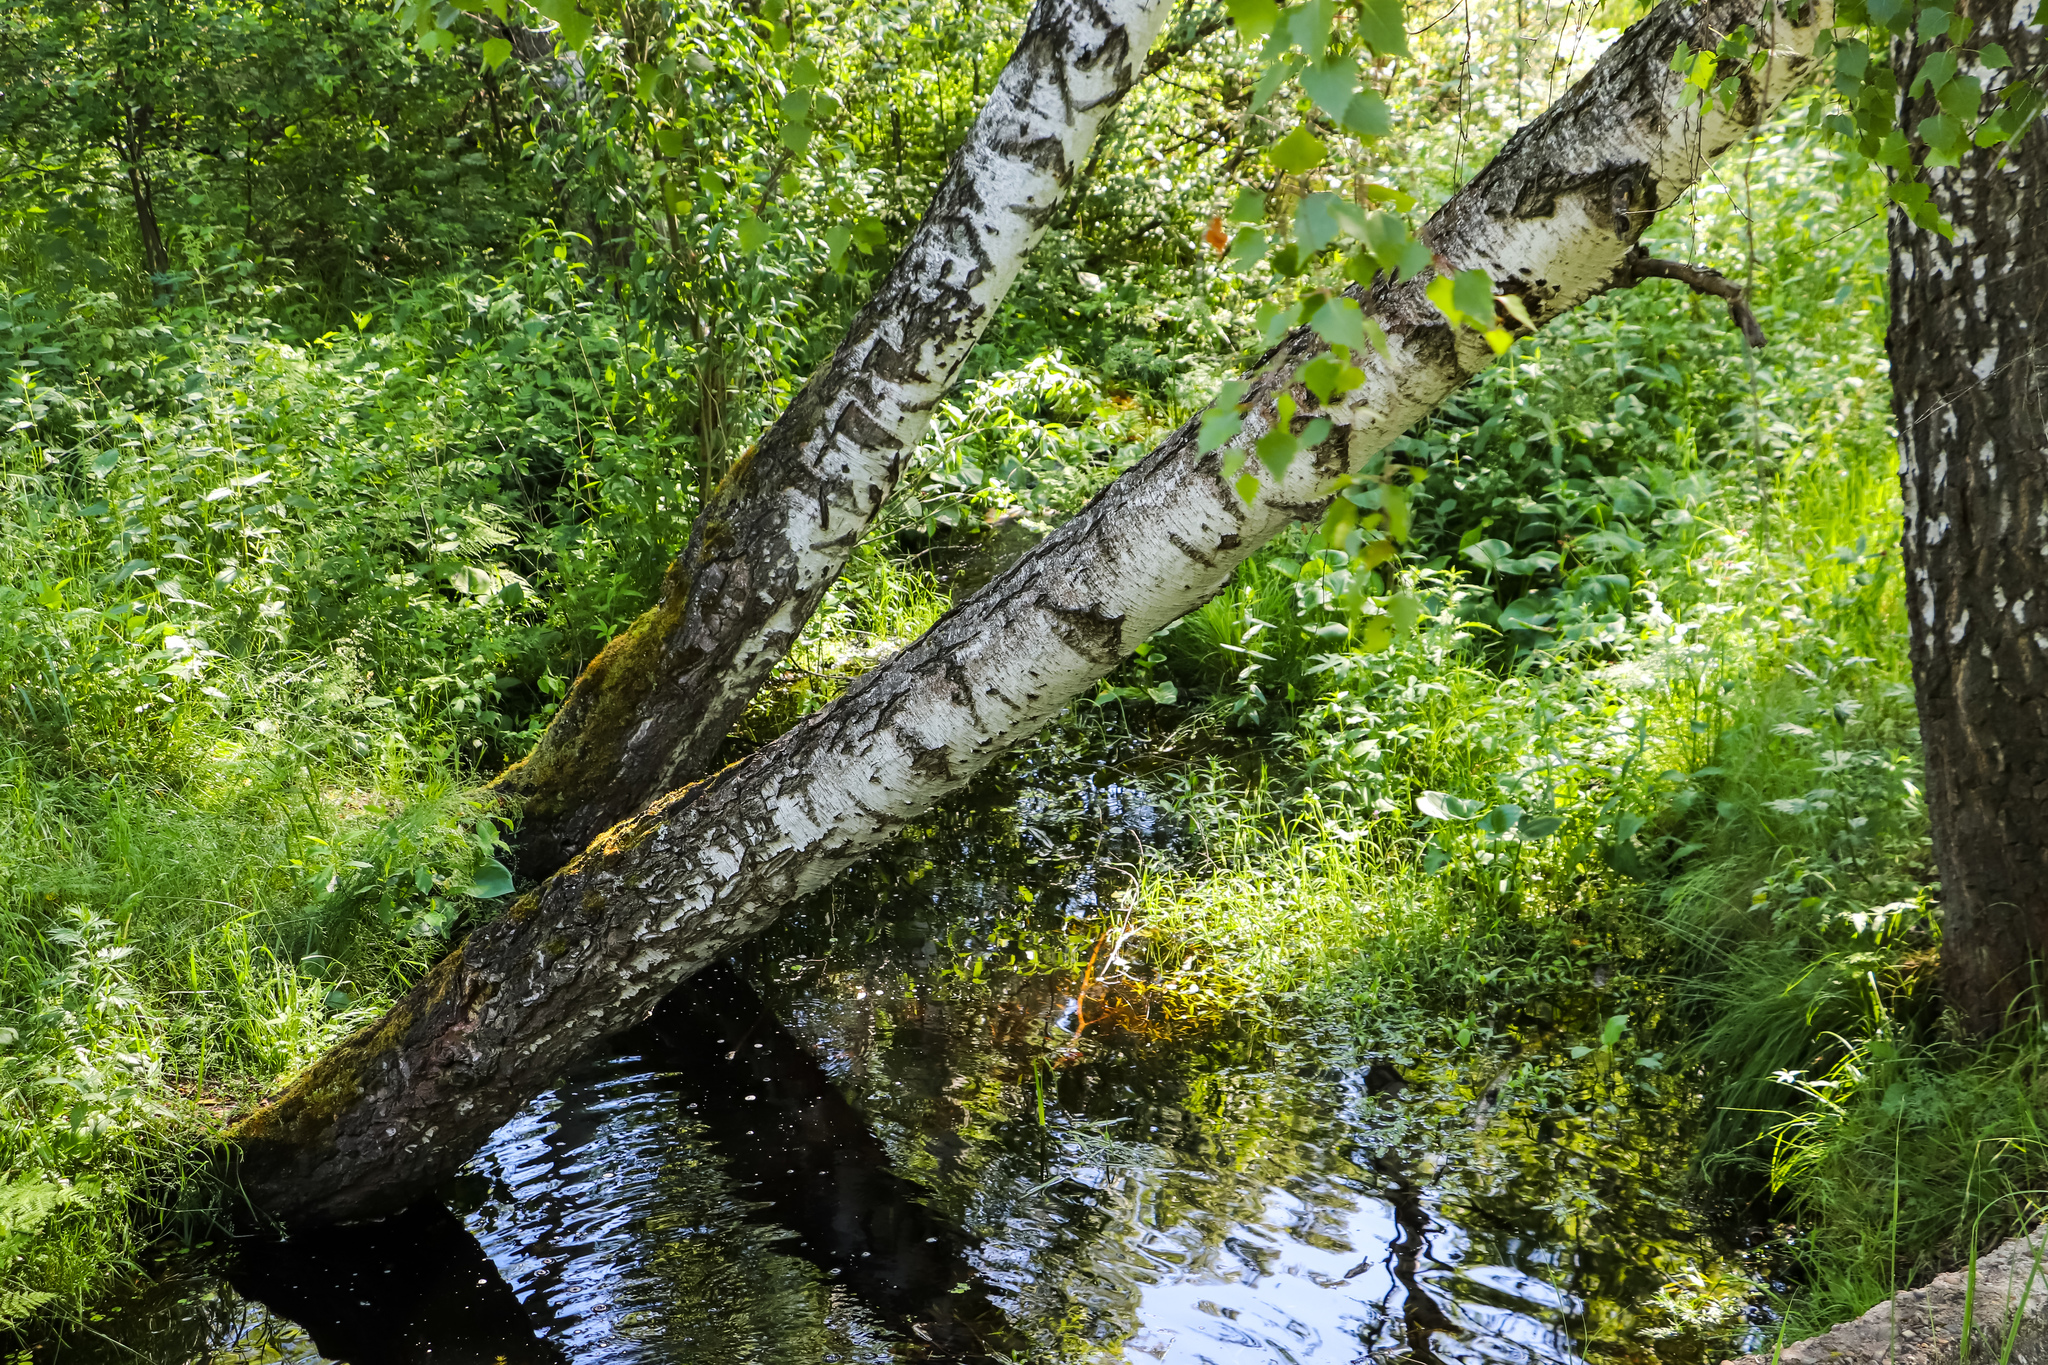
398 1106
653 708
1970 396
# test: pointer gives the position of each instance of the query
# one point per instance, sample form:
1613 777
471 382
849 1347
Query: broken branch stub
651 711
399 1106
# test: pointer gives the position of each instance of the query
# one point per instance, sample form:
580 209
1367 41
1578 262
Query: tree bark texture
1970 396
653 708
398 1106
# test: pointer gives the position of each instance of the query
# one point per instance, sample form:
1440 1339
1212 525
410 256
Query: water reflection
892 1132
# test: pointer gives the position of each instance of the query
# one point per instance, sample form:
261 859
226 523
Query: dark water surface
897 1130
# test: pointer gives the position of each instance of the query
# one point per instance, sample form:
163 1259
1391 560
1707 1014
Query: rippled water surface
892 1131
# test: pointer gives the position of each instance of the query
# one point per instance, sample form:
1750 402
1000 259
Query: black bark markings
1970 395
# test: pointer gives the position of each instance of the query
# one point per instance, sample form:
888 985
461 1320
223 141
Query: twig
1643 266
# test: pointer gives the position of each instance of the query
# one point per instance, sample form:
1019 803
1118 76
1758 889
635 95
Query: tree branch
1701 280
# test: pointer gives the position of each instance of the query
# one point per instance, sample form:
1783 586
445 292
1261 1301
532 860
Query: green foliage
313 508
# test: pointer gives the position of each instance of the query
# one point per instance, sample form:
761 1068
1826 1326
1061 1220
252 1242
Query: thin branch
1643 266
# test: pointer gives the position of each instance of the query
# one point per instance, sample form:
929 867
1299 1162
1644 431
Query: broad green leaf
1248 488
1275 75
1489 554
496 51
837 240
1942 133
753 233
1315 222
1247 249
1368 116
1380 26
1444 806
1331 373
1276 322
1308 26
1254 18
1394 502
1993 57
805 73
669 141
1223 420
1341 323
1406 609
1378 336
1441 292
1386 194
492 881
1299 151
1249 207
1276 450
1472 292
1331 85
795 136
1961 97
1376 634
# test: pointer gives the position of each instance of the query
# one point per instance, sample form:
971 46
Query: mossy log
398 1108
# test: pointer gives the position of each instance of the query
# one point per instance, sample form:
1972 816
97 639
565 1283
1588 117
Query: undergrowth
276 592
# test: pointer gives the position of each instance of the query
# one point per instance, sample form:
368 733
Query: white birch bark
652 710
702 869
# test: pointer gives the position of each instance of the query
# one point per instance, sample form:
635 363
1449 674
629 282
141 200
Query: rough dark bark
653 708
1970 395
130 144
398 1106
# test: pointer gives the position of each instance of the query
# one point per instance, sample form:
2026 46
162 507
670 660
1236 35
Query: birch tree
652 709
1552 221
1969 289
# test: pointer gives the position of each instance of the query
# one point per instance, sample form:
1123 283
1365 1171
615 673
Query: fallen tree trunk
400 1105
651 711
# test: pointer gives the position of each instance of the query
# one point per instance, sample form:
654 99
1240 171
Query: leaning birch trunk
653 708
400 1105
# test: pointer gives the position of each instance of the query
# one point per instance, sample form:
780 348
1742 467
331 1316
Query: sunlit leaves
1379 25
1224 418
1467 300
1254 18
753 233
495 52
1299 151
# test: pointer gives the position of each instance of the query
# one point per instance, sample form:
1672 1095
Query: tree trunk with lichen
651 711
1970 395
1554 219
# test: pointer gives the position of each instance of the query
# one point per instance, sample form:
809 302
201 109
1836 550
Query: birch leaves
1978 98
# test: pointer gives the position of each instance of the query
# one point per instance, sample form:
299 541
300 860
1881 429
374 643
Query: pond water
895 1130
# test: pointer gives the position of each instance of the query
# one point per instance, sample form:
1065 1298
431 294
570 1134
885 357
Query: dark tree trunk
1970 395
129 146
398 1106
